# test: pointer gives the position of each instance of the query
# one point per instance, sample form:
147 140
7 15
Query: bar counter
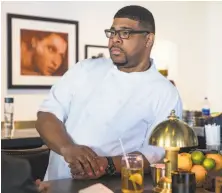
22 139
113 183
29 138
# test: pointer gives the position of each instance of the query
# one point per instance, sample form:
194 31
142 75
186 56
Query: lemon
215 114
209 163
137 178
197 157
218 160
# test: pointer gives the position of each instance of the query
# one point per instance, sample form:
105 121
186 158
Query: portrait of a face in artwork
43 53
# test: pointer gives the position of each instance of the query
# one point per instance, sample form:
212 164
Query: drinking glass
132 174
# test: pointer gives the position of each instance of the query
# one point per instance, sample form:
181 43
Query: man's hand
82 161
103 163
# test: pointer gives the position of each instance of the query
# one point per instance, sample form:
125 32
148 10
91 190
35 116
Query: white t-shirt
100 105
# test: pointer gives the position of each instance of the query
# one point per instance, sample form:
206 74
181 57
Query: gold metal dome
173 133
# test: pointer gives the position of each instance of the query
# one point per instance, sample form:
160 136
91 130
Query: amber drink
132 174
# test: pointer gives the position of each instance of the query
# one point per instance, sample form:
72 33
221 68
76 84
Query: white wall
214 61
190 32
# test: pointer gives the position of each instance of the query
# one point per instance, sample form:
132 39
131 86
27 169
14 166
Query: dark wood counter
73 186
113 183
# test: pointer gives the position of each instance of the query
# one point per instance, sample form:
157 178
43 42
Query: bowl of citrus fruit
201 164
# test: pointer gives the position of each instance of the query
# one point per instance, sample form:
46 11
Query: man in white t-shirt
99 101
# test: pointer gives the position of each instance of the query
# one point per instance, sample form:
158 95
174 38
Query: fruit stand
206 166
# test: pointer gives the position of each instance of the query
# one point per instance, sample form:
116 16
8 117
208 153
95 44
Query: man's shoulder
95 63
87 66
159 80
163 86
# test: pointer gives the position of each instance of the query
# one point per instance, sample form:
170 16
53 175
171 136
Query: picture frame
96 51
40 50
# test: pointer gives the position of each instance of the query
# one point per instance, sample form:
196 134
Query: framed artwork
40 50
95 51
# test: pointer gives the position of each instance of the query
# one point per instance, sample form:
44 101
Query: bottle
8 117
206 108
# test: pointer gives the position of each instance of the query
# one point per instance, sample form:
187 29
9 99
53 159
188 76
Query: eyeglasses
123 34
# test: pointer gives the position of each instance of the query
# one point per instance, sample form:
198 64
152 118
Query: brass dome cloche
173 133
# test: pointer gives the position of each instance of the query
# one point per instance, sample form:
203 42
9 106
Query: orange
200 174
184 162
185 154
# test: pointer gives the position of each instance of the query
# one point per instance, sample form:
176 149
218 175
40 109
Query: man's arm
53 112
117 163
53 132
52 115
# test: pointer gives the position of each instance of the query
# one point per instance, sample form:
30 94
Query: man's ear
150 39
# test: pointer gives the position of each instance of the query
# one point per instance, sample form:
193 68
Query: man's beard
119 64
